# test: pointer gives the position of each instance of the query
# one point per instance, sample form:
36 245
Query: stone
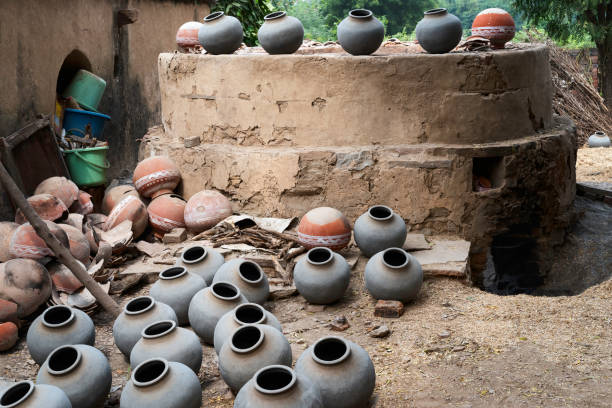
340 323
445 258
281 292
192 141
416 242
444 334
314 308
177 235
380 332
389 308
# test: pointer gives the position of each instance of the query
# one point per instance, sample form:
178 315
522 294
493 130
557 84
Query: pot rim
275 15
247 280
66 322
275 367
340 359
248 349
599 133
436 11
384 207
224 284
197 260
24 397
68 369
213 16
162 274
250 305
360 13
137 312
168 330
404 264
320 249
154 380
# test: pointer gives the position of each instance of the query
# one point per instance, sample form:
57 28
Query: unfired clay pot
220 34
324 227
393 274
25 394
25 243
83 205
439 31
322 276
280 33
205 209
187 35
155 176
26 283
166 212
79 245
175 288
47 207
114 195
61 188
9 334
130 208
247 276
378 229
6 232
360 33
599 139
201 260
496 25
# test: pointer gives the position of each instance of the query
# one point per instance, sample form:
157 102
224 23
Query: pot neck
246 339
225 291
194 255
380 213
58 316
395 258
214 16
150 372
276 16
17 394
249 313
433 13
274 380
360 14
140 305
330 350
158 329
173 273
320 256
64 360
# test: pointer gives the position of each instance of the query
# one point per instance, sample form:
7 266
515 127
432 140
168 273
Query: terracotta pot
48 207
496 25
187 35
324 227
439 31
175 287
7 229
97 220
9 334
25 243
61 188
114 195
26 283
8 311
130 208
79 245
378 229
201 260
322 276
205 209
83 205
220 34
360 33
63 279
393 274
92 237
247 276
25 394
155 176
166 212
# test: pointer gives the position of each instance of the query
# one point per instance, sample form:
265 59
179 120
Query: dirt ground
594 164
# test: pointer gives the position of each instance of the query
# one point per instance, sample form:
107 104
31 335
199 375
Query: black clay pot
280 33
220 34
439 31
360 33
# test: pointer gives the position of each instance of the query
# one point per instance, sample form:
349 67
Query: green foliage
310 14
249 12
467 10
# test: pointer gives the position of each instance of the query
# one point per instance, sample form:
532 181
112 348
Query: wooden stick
61 252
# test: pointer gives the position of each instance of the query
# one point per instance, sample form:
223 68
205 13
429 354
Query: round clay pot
202 261
7 229
59 187
166 212
164 339
58 326
157 383
63 279
220 34
155 176
209 304
206 209
393 274
324 227
26 283
277 386
25 243
114 195
83 205
9 334
130 208
496 25
79 245
9 311
280 33
342 370
360 33
247 276
137 314
81 371
187 35
25 394
439 31
378 229
246 313
249 349
175 287
322 276
599 139
47 207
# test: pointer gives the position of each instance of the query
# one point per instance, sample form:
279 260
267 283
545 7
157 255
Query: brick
192 141
389 308
176 236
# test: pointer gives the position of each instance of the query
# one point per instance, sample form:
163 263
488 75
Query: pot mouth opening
395 258
251 272
139 305
58 316
249 313
214 16
63 359
435 11
172 273
225 290
275 379
380 212
194 254
158 329
599 133
319 256
275 15
16 394
331 350
150 372
360 13
246 339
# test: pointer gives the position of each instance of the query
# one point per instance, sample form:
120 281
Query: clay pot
378 229
393 274
220 34
26 283
9 334
249 349
137 314
247 276
25 394
83 205
496 25
159 383
277 386
48 207
155 176
341 369
79 245
58 326
114 195
360 33
187 35
209 304
130 208
97 220
25 243
166 213
439 31
324 227
93 238
164 339
280 33
202 261
206 209
9 311
322 276
81 371
63 279
175 288
599 139
59 187
246 313
7 229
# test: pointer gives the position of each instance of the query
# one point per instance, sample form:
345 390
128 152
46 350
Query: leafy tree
250 13
310 14
467 10
564 18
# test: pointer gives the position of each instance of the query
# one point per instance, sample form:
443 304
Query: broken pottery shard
63 279
82 299
281 292
76 220
380 332
119 237
389 308
149 249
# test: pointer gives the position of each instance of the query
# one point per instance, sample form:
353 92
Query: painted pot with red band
155 176
166 213
324 227
496 25
187 35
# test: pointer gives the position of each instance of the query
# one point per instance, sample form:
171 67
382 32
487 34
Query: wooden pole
62 253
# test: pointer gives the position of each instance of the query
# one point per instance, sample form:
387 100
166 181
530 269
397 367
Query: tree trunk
605 68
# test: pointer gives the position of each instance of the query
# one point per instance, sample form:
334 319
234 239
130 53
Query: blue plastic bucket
76 121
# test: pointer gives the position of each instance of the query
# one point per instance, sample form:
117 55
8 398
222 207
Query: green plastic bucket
88 166
87 89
